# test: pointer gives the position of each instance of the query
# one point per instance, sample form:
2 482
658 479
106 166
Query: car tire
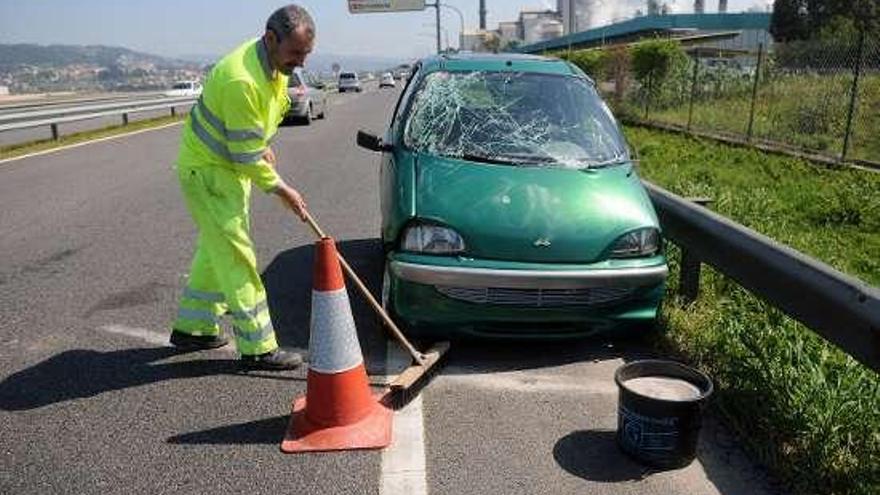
385 295
308 117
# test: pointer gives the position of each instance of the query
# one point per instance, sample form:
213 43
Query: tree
788 21
654 60
866 14
512 45
492 42
803 19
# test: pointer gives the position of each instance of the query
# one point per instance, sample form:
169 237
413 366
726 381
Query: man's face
292 51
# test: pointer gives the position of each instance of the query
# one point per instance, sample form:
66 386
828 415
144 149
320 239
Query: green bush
661 69
590 61
655 60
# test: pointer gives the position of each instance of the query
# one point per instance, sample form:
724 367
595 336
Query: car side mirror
371 142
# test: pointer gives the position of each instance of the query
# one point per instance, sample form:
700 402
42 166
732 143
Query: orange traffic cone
338 412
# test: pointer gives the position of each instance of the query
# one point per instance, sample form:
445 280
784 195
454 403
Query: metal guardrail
53 117
56 102
842 309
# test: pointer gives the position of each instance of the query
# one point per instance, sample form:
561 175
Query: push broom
406 385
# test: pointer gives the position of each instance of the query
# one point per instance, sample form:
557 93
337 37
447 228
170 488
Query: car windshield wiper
503 159
617 160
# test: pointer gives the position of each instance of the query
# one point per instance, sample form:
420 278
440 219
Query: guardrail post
689 270
55 135
125 119
755 92
173 113
853 97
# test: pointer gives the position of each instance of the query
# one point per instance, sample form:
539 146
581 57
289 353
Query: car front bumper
442 296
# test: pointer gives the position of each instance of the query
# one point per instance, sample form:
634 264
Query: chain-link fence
816 96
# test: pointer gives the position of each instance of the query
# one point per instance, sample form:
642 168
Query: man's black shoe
279 359
196 342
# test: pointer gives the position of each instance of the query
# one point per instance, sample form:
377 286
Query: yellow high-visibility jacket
242 104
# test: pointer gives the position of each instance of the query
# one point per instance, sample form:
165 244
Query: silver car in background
308 100
387 81
349 81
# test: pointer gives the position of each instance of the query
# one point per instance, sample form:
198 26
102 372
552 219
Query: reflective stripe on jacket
243 102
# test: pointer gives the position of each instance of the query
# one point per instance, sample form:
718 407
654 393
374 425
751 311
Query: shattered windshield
513 118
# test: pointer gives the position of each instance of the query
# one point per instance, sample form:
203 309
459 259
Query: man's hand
292 199
269 156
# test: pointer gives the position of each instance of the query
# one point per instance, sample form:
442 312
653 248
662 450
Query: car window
347 75
515 118
182 86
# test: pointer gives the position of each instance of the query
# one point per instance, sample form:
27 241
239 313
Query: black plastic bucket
659 411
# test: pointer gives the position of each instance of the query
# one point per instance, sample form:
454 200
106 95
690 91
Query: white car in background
185 88
387 81
308 100
349 81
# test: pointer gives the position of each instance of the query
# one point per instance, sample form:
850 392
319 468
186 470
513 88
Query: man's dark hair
288 19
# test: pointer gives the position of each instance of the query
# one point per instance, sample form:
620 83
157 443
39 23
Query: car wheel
386 288
309 115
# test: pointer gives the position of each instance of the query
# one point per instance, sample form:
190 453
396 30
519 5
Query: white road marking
530 381
151 336
138 333
93 141
404 469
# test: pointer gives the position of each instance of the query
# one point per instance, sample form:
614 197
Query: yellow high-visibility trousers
223 277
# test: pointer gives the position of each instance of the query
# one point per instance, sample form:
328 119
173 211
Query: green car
511 206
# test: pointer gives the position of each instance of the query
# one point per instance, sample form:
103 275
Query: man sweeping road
224 148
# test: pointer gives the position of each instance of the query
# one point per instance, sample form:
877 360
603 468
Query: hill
16 55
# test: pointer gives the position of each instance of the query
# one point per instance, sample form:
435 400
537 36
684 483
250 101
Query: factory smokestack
482 14
699 6
722 6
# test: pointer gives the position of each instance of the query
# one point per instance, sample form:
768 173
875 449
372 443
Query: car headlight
432 239
642 242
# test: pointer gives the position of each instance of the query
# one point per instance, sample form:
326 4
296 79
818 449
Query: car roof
508 62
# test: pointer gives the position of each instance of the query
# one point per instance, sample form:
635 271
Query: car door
396 173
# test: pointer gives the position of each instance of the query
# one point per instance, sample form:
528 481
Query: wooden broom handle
416 355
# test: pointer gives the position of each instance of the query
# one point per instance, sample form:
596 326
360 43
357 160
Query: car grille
539 298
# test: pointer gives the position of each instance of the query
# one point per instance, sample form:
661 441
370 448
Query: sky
178 28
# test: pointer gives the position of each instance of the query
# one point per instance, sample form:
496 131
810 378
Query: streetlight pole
460 18
436 5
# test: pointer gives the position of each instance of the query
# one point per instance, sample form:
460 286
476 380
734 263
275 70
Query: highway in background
62 103
96 244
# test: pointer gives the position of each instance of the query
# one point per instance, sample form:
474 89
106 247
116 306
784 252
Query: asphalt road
95 246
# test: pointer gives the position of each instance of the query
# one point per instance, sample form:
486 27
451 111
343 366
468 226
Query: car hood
537 214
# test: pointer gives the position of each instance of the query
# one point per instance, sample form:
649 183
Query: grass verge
14 150
804 111
801 406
